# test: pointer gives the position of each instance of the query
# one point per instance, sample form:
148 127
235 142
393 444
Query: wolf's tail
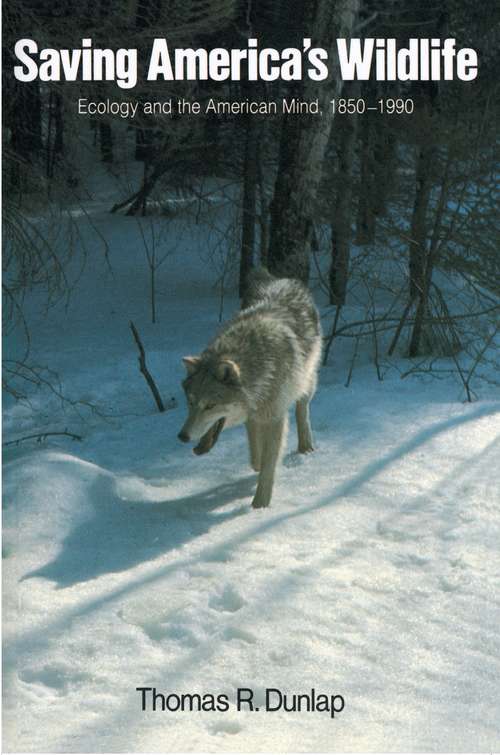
258 280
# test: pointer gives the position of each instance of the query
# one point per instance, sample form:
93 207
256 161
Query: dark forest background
326 199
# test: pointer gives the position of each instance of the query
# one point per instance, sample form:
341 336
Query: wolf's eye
210 406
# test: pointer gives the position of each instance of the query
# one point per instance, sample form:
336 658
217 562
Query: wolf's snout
183 436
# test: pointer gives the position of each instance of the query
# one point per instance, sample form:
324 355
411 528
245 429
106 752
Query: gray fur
263 360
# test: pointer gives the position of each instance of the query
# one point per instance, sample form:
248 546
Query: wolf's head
215 400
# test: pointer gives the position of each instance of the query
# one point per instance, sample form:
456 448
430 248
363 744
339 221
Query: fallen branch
145 371
41 437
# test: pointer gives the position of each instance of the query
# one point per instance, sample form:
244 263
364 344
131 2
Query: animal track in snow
225 727
397 536
293 459
404 560
235 633
228 601
449 584
160 631
281 658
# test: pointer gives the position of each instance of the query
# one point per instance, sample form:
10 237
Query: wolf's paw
305 448
255 466
260 503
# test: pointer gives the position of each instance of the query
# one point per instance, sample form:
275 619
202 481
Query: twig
477 360
375 349
40 437
399 328
144 369
353 360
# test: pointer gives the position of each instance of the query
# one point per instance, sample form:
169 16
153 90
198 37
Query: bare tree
303 145
345 144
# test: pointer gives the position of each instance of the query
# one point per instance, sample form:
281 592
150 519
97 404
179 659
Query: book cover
251 411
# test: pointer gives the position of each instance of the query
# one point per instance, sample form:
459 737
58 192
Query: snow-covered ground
130 562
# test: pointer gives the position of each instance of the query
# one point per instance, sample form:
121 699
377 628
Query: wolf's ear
228 371
191 364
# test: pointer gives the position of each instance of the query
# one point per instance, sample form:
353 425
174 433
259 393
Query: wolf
262 362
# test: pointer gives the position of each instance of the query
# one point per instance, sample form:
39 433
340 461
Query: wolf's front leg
273 435
254 443
304 431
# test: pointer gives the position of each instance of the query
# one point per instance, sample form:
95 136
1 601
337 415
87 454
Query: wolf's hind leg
274 434
304 426
254 443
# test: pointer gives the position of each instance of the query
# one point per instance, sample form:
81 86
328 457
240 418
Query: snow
130 562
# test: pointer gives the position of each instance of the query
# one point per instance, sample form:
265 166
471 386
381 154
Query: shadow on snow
122 534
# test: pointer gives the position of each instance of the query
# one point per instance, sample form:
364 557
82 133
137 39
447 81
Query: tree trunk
421 253
304 140
365 220
27 121
418 252
427 92
418 233
59 125
250 174
427 262
342 212
55 126
106 136
385 165
143 144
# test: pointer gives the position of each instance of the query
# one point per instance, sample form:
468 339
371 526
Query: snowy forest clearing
130 562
